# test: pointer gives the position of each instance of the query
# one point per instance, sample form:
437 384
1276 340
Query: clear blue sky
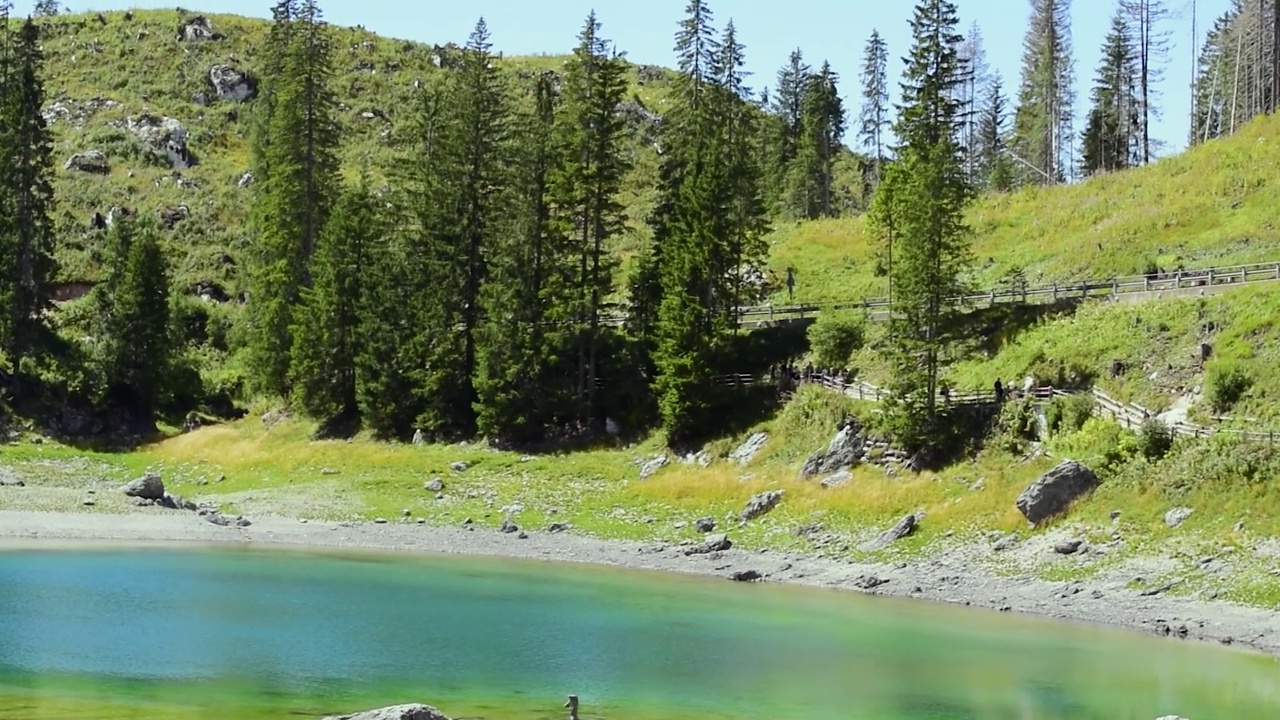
835 30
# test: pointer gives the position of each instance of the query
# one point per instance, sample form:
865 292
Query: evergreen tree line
127 359
1238 70
471 294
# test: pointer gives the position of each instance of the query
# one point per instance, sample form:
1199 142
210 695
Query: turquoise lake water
173 635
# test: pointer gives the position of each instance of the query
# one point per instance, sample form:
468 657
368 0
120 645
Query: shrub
1228 382
1155 440
1068 414
835 337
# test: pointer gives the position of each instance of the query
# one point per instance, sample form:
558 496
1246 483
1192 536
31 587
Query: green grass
139 65
1211 206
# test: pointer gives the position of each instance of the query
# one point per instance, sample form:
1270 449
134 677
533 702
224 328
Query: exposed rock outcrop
89 161
232 84
165 135
1175 517
713 543
147 487
752 446
396 712
1052 493
760 504
198 29
903 528
652 466
842 453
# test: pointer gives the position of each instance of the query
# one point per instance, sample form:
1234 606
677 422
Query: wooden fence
1129 415
1109 288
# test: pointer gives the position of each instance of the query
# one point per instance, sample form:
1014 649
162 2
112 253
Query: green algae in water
245 634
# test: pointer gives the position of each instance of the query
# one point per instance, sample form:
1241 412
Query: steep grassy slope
1213 205
105 71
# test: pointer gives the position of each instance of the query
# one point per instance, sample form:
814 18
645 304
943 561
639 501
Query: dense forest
471 288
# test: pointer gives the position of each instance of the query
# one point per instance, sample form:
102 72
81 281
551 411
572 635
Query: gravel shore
949 576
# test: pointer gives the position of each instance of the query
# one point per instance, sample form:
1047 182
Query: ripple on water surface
193 634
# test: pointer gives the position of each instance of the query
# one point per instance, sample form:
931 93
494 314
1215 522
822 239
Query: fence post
1179 281
1210 277
1146 283
1055 292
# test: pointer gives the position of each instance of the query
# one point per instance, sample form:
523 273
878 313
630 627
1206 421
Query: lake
185 634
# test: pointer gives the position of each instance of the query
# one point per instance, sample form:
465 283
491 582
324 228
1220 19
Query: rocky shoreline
950 575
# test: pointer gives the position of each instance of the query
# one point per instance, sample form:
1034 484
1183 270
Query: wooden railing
1129 415
1114 287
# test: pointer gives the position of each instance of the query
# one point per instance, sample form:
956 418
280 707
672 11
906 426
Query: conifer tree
690 318
788 105
925 191
586 180
973 55
993 167
389 337
531 278
327 329
298 163
133 342
455 190
1149 49
874 120
1043 117
822 129
27 266
744 214
1111 133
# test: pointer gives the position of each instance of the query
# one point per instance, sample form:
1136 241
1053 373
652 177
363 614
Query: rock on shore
396 712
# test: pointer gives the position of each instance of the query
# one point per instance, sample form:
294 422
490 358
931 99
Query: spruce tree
133 342
326 333
1043 117
1149 48
296 154
690 319
388 338
993 168
1109 139
454 191
27 267
585 183
822 129
925 191
526 297
874 120
744 219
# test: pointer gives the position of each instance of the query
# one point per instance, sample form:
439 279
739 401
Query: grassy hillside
1213 205
104 69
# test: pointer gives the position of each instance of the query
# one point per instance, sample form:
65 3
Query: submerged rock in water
396 712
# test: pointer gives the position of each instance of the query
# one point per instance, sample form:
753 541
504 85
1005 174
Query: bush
1155 440
1068 414
1228 382
835 337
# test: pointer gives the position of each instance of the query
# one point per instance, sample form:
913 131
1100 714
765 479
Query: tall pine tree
874 120
1043 118
925 191
526 299
327 322
1112 131
822 130
994 169
455 191
296 168
133 342
586 183
27 266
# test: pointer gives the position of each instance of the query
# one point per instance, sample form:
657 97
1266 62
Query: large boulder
1052 493
165 135
147 487
712 544
744 453
904 528
231 84
396 712
198 29
842 453
90 161
760 504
